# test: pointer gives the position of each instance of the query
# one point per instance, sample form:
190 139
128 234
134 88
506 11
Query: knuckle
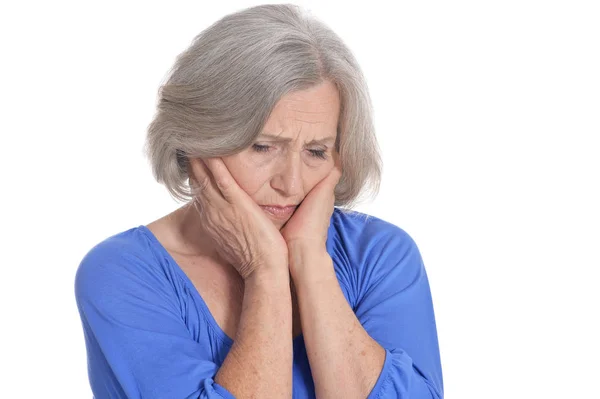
204 183
222 184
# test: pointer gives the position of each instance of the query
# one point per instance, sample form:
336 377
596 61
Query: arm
259 363
387 347
139 346
345 361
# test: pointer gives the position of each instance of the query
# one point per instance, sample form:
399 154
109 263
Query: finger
327 190
198 205
224 182
200 175
205 189
324 191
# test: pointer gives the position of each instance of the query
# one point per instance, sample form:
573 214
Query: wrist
268 278
306 247
310 264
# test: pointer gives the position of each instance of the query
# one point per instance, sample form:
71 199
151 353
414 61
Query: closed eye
318 154
265 148
260 148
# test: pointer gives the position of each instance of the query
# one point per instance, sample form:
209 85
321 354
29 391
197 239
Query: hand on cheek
310 222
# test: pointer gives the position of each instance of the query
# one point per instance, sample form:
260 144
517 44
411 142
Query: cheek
253 180
247 174
317 177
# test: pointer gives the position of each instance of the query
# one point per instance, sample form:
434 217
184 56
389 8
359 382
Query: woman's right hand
243 234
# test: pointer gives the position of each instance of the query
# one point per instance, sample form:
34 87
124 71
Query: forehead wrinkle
321 100
312 123
317 111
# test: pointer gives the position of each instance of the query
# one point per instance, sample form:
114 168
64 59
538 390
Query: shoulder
366 233
121 263
371 249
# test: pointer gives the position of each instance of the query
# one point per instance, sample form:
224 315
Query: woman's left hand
308 226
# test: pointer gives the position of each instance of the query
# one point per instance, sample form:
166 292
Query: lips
279 212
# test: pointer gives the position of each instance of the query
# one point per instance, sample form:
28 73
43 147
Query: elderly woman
261 285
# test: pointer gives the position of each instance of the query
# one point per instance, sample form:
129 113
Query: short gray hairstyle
223 87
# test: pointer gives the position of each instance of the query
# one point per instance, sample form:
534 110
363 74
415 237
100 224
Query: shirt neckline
207 314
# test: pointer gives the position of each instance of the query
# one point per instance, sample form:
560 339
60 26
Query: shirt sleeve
396 310
138 345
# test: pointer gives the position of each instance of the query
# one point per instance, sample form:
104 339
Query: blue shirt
149 333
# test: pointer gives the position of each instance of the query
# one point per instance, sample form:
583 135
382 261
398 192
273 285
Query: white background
488 115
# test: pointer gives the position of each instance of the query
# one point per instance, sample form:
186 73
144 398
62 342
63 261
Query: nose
288 176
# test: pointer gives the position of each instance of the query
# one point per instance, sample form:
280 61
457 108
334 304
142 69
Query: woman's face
294 151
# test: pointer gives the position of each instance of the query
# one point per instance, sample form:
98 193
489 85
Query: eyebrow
277 138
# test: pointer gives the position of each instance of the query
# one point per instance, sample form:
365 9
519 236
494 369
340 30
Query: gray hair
223 87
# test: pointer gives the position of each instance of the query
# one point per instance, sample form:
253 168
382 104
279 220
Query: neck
189 237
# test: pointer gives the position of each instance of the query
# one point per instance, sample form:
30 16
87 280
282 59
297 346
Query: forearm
259 363
345 361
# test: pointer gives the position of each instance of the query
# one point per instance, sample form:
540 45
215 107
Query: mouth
280 213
